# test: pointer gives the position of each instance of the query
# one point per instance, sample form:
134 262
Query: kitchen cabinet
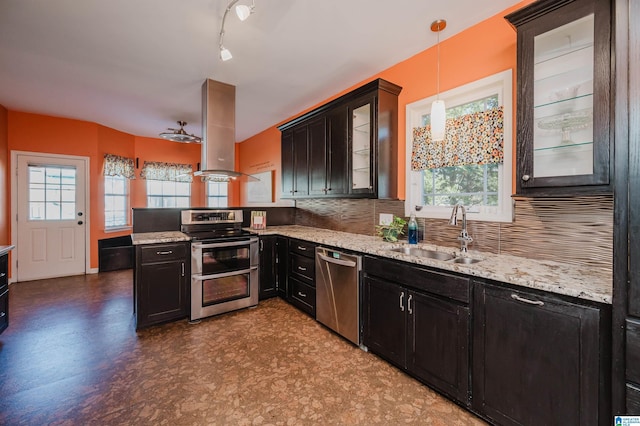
161 281
301 275
268 267
419 320
272 259
350 143
564 97
295 162
4 292
539 359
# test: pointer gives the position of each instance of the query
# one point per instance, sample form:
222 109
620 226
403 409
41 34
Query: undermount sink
465 260
416 251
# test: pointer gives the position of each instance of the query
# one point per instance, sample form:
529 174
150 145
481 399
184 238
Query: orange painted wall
5 236
482 50
55 135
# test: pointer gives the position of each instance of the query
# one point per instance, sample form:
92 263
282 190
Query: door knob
79 213
80 222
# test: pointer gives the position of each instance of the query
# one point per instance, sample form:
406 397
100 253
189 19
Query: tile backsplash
575 230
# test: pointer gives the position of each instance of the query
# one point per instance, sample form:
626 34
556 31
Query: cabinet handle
2 314
526 178
261 245
302 248
301 294
402 301
164 252
409 304
2 275
530 302
301 268
183 269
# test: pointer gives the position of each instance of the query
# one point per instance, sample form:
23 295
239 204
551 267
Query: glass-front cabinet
361 167
563 97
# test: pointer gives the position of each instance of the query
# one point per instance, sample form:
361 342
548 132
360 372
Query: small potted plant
392 231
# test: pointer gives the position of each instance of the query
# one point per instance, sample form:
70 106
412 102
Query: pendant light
243 12
438 113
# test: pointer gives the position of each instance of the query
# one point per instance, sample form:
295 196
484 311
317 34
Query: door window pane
52 192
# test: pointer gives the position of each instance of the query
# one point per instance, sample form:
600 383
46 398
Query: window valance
167 171
476 138
115 165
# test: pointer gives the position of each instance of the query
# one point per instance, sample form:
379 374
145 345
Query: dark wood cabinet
4 292
301 275
282 247
564 118
295 163
538 359
412 323
161 280
350 145
268 267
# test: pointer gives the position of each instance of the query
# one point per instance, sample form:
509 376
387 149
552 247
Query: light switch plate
386 218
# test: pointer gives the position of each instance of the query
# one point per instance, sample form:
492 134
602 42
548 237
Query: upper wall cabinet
345 148
564 96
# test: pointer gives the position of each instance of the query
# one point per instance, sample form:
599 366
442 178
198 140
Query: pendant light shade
438 120
438 110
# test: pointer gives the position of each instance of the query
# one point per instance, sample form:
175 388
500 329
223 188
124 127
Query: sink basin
465 260
416 251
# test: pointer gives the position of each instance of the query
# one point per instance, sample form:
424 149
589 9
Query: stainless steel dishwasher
338 292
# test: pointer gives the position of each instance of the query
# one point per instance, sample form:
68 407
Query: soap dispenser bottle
413 229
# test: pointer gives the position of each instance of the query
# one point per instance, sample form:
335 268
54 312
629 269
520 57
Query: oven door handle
227 244
226 274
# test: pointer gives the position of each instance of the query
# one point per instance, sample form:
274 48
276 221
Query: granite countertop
6 249
577 281
158 237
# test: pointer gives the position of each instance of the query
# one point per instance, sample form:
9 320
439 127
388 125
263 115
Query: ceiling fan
180 135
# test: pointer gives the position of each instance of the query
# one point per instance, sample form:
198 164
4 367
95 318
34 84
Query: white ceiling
138 65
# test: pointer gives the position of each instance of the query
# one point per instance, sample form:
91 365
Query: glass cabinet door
361 133
563 100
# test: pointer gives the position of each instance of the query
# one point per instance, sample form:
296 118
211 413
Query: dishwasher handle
348 263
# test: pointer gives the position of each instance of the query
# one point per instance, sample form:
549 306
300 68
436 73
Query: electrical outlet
386 218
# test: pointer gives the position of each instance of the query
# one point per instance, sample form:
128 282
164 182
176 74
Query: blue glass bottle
413 229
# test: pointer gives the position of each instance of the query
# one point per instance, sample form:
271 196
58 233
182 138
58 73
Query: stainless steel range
224 262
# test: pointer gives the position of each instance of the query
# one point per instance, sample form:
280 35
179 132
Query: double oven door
224 276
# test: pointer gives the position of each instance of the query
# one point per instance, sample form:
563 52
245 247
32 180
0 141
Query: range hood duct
218 131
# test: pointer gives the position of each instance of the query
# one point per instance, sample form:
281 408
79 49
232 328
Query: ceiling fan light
438 120
243 11
225 54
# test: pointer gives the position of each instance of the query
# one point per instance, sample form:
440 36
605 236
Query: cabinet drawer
439 283
4 310
302 266
303 296
303 248
163 252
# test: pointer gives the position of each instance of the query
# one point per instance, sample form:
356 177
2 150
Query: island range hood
219 132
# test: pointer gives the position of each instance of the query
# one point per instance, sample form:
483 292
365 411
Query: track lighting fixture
243 12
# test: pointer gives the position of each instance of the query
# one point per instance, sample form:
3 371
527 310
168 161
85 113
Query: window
164 193
485 190
217 194
52 193
116 196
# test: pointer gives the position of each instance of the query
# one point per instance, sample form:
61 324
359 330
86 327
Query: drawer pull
164 252
530 302
2 314
302 248
301 294
301 268
2 274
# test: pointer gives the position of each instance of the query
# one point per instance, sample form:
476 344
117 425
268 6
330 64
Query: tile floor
71 356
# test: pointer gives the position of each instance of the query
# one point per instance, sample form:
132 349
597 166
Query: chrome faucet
464 236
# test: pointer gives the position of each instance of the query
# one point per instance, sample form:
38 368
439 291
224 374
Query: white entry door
51 222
